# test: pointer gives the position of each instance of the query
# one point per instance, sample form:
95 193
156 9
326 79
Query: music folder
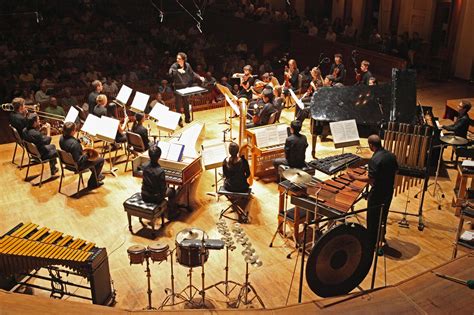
157 110
123 95
71 115
168 121
90 125
171 151
232 104
139 102
107 129
344 133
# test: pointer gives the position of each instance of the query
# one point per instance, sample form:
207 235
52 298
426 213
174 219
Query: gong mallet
468 283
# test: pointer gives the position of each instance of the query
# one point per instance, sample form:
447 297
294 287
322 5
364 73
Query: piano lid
358 102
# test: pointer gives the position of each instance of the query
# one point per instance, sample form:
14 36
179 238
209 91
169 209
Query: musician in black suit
337 69
139 129
263 114
70 144
154 187
295 148
18 116
461 126
236 170
43 143
383 167
364 75
183 76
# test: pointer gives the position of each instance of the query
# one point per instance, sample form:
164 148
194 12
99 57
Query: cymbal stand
250 258
171 292
229 245
436 184
282 225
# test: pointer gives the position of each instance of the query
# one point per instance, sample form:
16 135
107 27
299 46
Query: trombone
8 107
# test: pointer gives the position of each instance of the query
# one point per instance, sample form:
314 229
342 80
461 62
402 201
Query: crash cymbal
454 140
297 176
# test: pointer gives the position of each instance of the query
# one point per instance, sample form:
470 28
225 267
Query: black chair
67 163
235 198
34 158
18 143
135 145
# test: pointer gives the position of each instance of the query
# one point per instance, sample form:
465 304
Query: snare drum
158 252
136 254
190 256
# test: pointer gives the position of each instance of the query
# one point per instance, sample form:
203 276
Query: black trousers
171 194
49 153
182 104
96 169
374 203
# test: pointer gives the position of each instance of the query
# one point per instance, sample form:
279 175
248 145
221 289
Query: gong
339 261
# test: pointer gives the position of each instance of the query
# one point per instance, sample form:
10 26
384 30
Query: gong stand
170 299
337 217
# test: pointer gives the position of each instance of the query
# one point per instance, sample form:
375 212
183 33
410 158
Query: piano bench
235 198
135 206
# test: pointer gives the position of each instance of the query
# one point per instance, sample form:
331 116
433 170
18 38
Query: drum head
339 261
158 247
191 234
136 249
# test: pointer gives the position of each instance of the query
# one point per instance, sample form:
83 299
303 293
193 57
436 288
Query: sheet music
191 90
107 128
140 101
71 115
213 155
296 99
282 133
124 94
271 135
232 104
168 120
165 147
262 137
189 138
175 152
344 131
91 124
157 110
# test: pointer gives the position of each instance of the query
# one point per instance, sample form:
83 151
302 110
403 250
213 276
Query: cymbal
454 140
297 176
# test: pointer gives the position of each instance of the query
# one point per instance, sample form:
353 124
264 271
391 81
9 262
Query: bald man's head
375 142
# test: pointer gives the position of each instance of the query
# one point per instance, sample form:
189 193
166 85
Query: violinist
363 76
262 116
291 75
100 110
18 116
278 99
259 86
338 70
246 82
316 82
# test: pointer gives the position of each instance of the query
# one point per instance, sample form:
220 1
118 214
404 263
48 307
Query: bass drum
339 261
190 256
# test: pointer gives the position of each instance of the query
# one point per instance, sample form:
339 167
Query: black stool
135 206
234 198
466 212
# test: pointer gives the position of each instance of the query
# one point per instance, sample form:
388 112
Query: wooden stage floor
99 217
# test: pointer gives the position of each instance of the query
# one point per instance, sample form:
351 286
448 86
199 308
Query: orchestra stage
99 217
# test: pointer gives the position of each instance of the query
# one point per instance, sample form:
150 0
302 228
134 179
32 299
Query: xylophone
27 248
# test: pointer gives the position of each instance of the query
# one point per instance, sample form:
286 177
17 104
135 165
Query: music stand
213 155
191 91
226 92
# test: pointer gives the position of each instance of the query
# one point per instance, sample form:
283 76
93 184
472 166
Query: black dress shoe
187 121
95 186
101 177
54 171
181 124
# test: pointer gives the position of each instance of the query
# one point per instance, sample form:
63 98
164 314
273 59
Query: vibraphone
411 144
26 248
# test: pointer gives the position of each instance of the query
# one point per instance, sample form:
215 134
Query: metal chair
34 158
135 145
18 143
67 163
234 198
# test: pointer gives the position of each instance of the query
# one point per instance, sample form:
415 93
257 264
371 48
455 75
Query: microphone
162 15
198 25
199 15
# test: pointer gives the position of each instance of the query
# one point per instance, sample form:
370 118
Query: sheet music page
344 131
168 120
140 101
108 128
165 147
282 133
232 104
189 138
71 115
296 99
91 124
272 132
124 94
214 154
157 110
262 137
191 89
175 152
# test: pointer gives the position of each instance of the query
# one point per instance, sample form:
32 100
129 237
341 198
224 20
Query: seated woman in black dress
236 170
